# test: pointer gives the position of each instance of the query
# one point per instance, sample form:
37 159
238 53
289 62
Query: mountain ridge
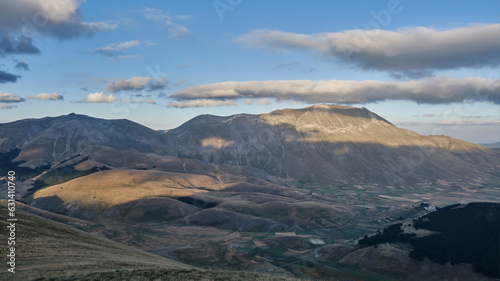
338 137
322 143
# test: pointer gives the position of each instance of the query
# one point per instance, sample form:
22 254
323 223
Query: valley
287 193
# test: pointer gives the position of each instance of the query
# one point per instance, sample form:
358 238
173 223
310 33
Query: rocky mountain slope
52 140
322 144
326 144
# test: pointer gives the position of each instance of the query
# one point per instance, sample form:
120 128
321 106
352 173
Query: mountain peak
330 115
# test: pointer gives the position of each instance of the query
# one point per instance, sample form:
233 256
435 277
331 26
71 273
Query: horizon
427 67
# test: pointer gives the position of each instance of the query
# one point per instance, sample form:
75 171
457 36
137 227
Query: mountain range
264 192
322 144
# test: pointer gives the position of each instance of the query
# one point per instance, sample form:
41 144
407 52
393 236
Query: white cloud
100 98
144 101
458 122
60 18
128 57
10 97
408 52
264 101
137 84
176 30
201 103
114 49
430 90
21 20
467 122
45 96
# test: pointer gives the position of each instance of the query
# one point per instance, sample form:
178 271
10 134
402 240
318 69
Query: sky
427 66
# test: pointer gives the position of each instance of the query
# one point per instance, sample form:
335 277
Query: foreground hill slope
47 250
325 144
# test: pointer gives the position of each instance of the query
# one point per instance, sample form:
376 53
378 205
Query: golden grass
114 187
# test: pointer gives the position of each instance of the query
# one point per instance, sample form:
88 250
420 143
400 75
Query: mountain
322 144
52 140
328 144
262 192
493 145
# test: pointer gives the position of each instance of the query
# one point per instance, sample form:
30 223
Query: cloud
264 101
8 77
180 81
297 67
128 57
100 98
176 30
436 90
21 65
144 101
16 44
21 20
45 96
467 122
407 52
475 116
10 97
137 84
7 106
460 122
115 49
57 18
201 103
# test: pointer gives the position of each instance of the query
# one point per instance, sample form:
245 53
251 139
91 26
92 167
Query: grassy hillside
47 250
115 187
50 249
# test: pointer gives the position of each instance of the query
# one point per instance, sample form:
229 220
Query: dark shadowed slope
52 140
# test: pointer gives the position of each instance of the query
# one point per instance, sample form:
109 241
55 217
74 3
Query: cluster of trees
465 234
391 234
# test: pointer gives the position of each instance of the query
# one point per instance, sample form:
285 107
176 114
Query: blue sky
429 66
